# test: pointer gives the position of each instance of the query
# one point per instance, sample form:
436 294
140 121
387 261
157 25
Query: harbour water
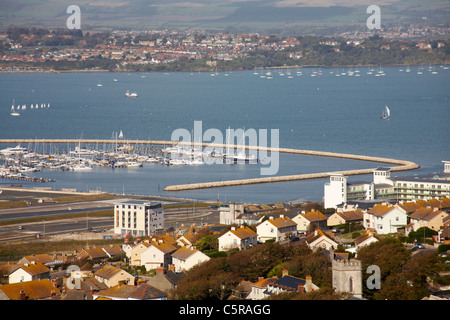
322 112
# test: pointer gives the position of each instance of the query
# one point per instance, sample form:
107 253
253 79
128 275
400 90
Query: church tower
347 277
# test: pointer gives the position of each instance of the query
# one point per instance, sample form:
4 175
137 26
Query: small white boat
386 113
134 164
80 167
14 112
131 94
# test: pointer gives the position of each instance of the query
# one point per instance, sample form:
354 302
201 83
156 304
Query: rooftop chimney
22 295
160 270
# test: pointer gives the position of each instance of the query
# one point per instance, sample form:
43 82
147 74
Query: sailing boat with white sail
14 113
386 113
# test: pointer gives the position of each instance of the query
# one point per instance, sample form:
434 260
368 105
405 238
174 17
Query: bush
443 248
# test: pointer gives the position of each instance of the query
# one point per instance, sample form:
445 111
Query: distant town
38 49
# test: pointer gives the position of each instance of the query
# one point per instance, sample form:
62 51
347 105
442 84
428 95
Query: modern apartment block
138 218
385 187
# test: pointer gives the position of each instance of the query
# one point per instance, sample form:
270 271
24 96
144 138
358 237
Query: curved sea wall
400 165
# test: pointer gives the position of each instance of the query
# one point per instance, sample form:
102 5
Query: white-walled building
230 212
320 240
276 229
157 254
240 238
187 257
29 272
385 218
335 191
386 187
306 221
138 218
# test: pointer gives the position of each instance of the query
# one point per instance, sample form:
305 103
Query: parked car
419 245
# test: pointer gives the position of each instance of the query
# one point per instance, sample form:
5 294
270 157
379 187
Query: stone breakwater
400 165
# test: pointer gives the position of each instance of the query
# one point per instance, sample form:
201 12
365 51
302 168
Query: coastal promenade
399 165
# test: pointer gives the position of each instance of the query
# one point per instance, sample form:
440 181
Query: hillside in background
230 15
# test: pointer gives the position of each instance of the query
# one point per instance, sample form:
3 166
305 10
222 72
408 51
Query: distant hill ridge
217 14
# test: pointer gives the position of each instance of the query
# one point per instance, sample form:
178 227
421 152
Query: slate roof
288 283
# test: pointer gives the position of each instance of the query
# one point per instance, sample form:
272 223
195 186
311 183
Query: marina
126 156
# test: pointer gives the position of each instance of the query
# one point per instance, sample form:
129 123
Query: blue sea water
323 113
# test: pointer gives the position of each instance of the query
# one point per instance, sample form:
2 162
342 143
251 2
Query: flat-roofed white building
138 218
335 191
388 188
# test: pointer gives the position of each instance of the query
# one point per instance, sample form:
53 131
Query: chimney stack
160 270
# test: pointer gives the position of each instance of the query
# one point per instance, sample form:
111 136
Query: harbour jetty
399 165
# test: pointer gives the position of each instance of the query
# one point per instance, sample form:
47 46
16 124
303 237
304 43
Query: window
351 284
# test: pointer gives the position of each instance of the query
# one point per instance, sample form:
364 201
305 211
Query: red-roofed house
276 229
29 272
30 290
240 238
385 219
112 276
187 257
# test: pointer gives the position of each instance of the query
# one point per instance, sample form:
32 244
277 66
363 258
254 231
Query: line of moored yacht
15 110
17 161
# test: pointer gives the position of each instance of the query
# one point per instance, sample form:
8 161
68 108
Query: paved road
173 218
53 209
